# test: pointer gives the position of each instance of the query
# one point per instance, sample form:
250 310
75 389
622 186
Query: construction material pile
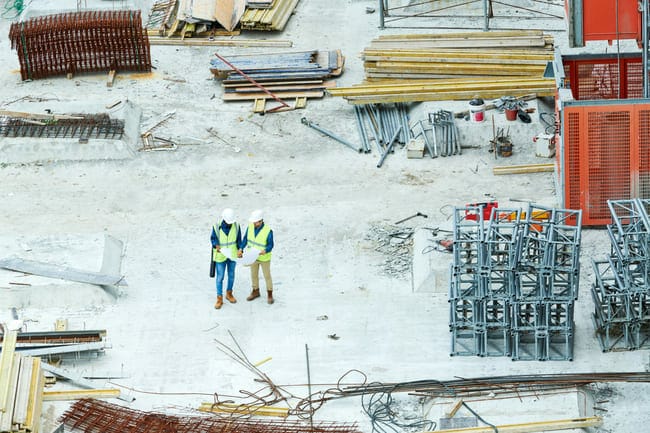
187 18
621 292
455 66
514 281
89 41
277 75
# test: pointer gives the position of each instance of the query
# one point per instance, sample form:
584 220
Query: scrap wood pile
456 66
189 18
301 74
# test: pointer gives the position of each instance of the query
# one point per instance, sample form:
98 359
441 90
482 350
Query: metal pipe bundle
89 41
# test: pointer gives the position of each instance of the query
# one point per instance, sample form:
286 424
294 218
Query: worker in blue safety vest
260 237
226 246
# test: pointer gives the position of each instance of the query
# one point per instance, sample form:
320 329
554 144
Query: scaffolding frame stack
621 291
513 282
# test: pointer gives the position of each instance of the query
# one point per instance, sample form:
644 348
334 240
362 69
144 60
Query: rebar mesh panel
94 416
89 41
82 126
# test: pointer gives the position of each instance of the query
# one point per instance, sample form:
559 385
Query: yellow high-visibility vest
225 241
258 242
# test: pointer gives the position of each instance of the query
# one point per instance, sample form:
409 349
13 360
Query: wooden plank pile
302 74
270 19
200 18
21 388
454 66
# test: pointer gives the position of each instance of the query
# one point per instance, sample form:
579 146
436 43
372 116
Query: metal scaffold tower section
621 292
513 282
90 41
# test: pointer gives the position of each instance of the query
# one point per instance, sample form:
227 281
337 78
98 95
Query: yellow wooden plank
521 169
534 427
77 394
258 105
281 412
6 361
448 95
35 390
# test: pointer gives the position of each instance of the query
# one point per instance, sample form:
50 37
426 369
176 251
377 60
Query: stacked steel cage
513 282
621 292
89 41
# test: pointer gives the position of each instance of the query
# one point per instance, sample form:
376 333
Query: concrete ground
323 201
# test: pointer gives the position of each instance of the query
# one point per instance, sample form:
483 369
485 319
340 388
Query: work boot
269 297
230 297
254 295
219 302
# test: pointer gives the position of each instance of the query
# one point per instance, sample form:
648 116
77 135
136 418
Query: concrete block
415 148
430 266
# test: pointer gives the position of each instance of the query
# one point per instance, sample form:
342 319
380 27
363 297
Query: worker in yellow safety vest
260 237
226 247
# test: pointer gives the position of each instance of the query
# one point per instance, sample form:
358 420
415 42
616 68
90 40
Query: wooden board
229 12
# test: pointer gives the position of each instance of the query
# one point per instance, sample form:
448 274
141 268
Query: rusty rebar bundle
81 126
93 416
89 41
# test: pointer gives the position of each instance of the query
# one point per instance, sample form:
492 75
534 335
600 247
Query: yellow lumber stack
453 66
271 19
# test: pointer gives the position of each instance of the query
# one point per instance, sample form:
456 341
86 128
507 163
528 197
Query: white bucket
476 112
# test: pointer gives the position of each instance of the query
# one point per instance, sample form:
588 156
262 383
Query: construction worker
227 245
260 237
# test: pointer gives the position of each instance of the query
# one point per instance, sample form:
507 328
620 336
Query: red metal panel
600 78
599 20
606 152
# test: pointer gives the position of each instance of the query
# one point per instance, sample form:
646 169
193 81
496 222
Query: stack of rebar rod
92 416
513 282
83 126
89 41
621 292
494 384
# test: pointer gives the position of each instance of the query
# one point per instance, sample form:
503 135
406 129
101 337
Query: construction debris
187 19
396 245
92 41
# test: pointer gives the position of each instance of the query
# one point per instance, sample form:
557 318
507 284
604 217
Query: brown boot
269 297
254 295
219 302
230 297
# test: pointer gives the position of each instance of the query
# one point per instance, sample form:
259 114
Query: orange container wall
599 19
606 156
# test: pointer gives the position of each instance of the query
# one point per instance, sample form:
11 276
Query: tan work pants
255 275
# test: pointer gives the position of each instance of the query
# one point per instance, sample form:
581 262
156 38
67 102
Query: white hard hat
228 216
256 215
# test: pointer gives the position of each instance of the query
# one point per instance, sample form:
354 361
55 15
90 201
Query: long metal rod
311 409
389 147
330 134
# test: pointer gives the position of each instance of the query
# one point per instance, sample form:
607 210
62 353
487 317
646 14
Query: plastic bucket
511 114
477 110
